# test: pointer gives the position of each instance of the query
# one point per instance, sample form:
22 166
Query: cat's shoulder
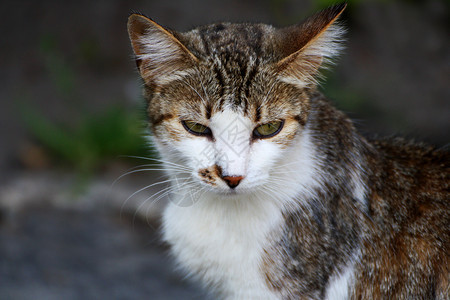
404 149
418 161
412 178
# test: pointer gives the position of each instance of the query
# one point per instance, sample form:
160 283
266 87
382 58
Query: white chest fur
221 242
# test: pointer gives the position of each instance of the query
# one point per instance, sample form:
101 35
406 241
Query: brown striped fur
397 230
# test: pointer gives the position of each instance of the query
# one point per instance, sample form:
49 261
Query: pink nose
232 181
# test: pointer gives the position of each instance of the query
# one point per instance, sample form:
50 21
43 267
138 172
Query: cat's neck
344 153
220 240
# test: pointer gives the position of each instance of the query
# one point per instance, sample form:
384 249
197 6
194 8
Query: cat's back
407 248
417 173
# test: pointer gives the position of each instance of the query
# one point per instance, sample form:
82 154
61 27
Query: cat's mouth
221 187
226 184
231 192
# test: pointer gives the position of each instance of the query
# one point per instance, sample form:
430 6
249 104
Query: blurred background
71 225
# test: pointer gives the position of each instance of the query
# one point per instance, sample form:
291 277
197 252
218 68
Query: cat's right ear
160 56
309 46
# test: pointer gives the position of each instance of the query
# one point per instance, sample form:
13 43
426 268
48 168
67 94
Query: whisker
268 93
278 195
164 192
204 90
288 164
156 159
187 187
203 100
140 170
202 189
159 165
285 172
161 196
142 189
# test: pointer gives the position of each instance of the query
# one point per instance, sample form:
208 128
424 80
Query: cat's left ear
160 55
307 47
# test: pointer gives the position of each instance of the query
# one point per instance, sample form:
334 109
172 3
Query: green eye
196 128
268 130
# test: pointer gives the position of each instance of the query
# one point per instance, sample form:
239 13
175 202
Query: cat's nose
232 181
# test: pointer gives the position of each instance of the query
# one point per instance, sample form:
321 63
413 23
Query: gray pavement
52 253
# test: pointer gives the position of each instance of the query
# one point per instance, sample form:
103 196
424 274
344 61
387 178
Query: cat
289 201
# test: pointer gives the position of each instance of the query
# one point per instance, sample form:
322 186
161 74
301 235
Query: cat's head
227 103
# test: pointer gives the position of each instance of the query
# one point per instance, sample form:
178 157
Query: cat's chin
229 192
232 193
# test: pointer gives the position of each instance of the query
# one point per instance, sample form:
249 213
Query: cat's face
229 141
227 102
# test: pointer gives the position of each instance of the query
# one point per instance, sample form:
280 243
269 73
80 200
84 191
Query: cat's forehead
234 59
204 100
229 42
234 68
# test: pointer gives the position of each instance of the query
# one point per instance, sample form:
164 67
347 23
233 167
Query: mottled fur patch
320 212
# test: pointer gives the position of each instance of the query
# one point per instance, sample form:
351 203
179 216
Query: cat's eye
268 130
196 128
